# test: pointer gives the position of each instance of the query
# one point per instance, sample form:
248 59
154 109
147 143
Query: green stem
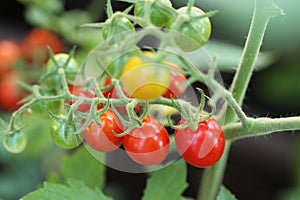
261 126
264 9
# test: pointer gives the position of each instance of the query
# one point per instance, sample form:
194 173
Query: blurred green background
258 168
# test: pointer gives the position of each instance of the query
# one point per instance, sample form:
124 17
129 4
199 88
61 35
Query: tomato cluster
112 112
146 145
149 143
17 58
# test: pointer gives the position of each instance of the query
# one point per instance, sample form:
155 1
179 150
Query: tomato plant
202 147
137 54
193 33
64 133
102 138
10 52
143 80
37 41
149 144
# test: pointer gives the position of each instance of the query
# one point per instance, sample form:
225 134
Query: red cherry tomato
102 138
80 91
36 41
176 87
10 52
202 147
10 92
149 144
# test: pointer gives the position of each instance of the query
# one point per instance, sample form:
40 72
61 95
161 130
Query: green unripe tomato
64 134
71 69
158 16
117 26
15 142
193 33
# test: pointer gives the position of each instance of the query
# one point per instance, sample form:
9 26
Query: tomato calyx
64 132
116 27
154 12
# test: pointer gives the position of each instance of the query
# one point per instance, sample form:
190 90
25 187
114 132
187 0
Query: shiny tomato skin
64 134
143 80
202 147
15 142
10 92
176 87
192 34
149 144
10 52
157 15
102 138
36 41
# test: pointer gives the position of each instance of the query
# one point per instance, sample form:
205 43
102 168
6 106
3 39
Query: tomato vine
111 110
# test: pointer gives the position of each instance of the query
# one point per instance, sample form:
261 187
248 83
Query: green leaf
83 166
167 183
225 194
75 190
225 56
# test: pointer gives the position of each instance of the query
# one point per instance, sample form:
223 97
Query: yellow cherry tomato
143 79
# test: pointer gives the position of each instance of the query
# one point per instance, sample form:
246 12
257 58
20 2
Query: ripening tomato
178 80
102 138
202 147
10 52
36 41
149 144
143 80
64 134
10 92
194 33
158 16
70 66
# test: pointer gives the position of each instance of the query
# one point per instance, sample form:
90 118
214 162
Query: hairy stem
264 9
261 126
